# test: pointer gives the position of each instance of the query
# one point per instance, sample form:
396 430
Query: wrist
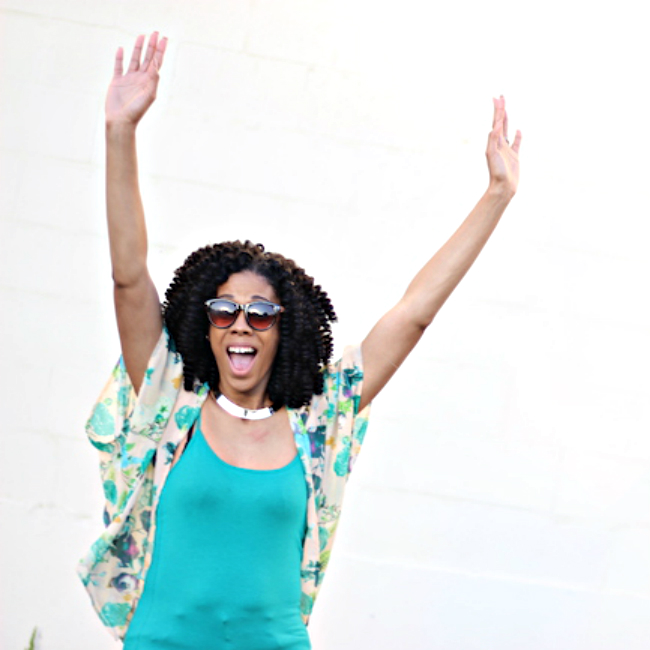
500 193
120 129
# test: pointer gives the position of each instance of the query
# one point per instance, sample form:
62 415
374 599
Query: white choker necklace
241 412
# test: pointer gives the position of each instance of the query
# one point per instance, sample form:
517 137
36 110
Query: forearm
440 276
125 213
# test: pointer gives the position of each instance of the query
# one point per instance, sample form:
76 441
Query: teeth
241 350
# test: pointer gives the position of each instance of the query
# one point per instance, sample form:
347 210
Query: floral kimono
137 435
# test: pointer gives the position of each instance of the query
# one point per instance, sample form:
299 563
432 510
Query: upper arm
384 349
139 322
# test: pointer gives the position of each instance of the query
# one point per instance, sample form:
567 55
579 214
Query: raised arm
137 306
395 335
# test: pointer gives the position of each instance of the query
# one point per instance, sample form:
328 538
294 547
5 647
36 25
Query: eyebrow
256 297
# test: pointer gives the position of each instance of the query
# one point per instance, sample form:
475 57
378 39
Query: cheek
272 347
213 342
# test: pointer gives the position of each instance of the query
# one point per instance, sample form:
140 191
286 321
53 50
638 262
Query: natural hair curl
305 345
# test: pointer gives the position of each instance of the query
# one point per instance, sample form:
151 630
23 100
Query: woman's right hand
130 95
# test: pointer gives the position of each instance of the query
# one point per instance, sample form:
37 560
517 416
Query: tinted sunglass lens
223 315
261 316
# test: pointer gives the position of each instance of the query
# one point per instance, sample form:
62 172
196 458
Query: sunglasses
260 315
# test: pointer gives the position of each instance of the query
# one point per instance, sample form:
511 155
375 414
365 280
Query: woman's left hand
502 157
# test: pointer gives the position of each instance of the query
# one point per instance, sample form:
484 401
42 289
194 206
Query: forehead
246 286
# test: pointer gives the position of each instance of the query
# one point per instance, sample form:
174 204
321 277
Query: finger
497 124
505 125
151 48
160 53
119 63
499 108
517 142
137 51
499 115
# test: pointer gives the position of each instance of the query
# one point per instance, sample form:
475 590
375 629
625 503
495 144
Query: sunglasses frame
277 309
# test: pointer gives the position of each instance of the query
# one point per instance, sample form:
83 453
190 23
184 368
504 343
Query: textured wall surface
503 497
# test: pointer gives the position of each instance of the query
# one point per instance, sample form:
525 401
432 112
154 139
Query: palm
130 94
502 158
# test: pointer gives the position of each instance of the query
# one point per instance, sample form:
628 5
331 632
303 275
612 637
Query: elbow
419 315
126 280
414 317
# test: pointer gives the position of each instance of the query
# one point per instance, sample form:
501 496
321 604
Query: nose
241 324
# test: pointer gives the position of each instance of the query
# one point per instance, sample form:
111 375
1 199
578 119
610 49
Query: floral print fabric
137 435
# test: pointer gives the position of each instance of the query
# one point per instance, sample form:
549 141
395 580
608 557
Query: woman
230 388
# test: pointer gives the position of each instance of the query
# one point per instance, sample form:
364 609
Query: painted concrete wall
503 497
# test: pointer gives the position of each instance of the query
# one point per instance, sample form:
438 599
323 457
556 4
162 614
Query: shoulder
342 384
344 377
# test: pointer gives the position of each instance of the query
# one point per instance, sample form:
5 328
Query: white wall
503 498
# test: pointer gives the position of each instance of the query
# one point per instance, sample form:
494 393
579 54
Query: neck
242 412
252 401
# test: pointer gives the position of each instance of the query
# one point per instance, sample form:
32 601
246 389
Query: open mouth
241 357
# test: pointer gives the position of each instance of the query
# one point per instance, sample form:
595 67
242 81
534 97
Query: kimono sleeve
125 427
336 426
347 425
335 429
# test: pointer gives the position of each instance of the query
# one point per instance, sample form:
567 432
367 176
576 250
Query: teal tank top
225 571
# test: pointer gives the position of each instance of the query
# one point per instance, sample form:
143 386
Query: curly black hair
305 345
